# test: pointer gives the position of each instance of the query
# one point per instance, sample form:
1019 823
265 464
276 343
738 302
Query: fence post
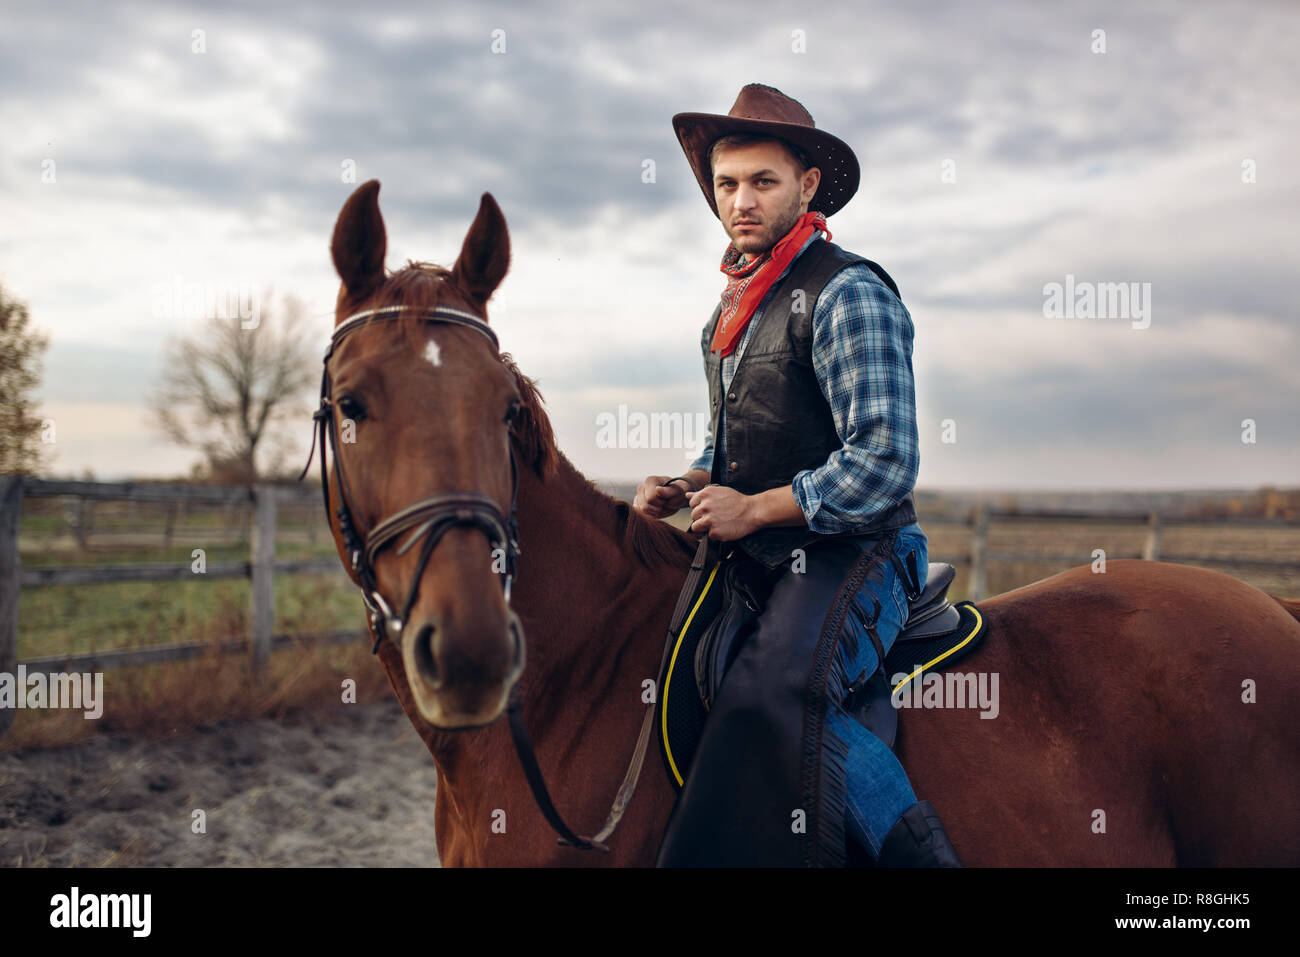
11 503
83 523
170 527
263 574
979 543
1151 549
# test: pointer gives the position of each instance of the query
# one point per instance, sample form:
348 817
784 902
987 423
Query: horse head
428 424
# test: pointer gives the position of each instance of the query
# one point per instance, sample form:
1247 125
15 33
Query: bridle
430 518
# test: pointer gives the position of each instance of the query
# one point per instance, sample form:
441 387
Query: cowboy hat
765 109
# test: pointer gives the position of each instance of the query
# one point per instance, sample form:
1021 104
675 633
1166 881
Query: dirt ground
354 789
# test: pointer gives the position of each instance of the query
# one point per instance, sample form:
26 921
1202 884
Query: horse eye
513 411
350 408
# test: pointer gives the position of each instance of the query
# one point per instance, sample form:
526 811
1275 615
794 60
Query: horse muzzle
461 678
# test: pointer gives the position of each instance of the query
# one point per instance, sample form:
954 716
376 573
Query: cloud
225 167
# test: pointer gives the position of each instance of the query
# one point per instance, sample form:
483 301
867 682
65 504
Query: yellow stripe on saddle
973 630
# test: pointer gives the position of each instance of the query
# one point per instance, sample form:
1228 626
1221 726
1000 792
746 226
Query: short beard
786 223
782 226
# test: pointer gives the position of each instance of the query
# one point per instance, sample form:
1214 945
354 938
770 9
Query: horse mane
655 544
415 285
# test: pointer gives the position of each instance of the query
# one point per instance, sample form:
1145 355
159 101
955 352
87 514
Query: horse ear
485 255
359 242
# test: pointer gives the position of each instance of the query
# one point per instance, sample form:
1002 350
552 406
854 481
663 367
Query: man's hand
728 515
718 509
724 513
658 500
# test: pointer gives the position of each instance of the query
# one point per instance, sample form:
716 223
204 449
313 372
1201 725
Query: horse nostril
424 661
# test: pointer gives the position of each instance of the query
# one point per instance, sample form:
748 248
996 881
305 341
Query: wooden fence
979 557
262 566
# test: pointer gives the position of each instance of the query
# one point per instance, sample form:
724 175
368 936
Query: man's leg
882 810
878 788
767 785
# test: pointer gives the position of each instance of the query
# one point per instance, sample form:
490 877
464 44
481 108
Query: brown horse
1146 715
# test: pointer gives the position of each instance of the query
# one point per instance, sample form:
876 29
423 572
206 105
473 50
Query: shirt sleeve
862 356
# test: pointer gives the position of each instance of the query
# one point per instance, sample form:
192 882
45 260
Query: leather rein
429 519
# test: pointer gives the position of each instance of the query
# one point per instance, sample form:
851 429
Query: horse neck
589 604
595 616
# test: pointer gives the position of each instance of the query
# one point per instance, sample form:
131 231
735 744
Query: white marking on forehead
432 354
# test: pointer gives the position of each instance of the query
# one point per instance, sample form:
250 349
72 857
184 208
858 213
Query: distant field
167 699
64 619
951 543
171 698
1121 540
67 619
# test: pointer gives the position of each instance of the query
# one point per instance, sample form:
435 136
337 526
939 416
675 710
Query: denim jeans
783 776
878 789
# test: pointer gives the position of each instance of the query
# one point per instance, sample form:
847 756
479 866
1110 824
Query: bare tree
229 391
21 348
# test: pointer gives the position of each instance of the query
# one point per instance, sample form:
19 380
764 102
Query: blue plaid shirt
862 356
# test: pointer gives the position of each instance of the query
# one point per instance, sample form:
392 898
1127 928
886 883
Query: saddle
716 611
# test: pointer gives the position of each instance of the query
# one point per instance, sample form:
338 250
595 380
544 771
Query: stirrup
918 839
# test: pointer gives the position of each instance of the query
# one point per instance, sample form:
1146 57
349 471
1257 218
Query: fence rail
260 569
980 518
265 501
159 654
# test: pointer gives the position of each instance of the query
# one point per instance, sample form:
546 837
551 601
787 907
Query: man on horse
809 366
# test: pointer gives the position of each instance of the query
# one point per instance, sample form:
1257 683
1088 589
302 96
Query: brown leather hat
764 109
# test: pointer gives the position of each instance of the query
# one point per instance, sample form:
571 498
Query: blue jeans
878 789
783 776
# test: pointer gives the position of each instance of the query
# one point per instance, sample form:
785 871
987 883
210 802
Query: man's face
760 194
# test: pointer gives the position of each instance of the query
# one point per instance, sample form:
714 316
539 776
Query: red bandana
748 283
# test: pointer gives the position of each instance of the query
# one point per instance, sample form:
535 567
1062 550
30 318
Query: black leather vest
778 422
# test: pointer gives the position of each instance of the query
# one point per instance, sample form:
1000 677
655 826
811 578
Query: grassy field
174 698
1119 540
75 618
65 619
164 699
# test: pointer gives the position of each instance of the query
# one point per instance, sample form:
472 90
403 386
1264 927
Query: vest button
733 466
732 396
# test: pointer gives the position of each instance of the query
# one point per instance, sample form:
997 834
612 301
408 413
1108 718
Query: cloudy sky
1001 150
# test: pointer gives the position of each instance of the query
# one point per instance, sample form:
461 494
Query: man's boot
918 839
